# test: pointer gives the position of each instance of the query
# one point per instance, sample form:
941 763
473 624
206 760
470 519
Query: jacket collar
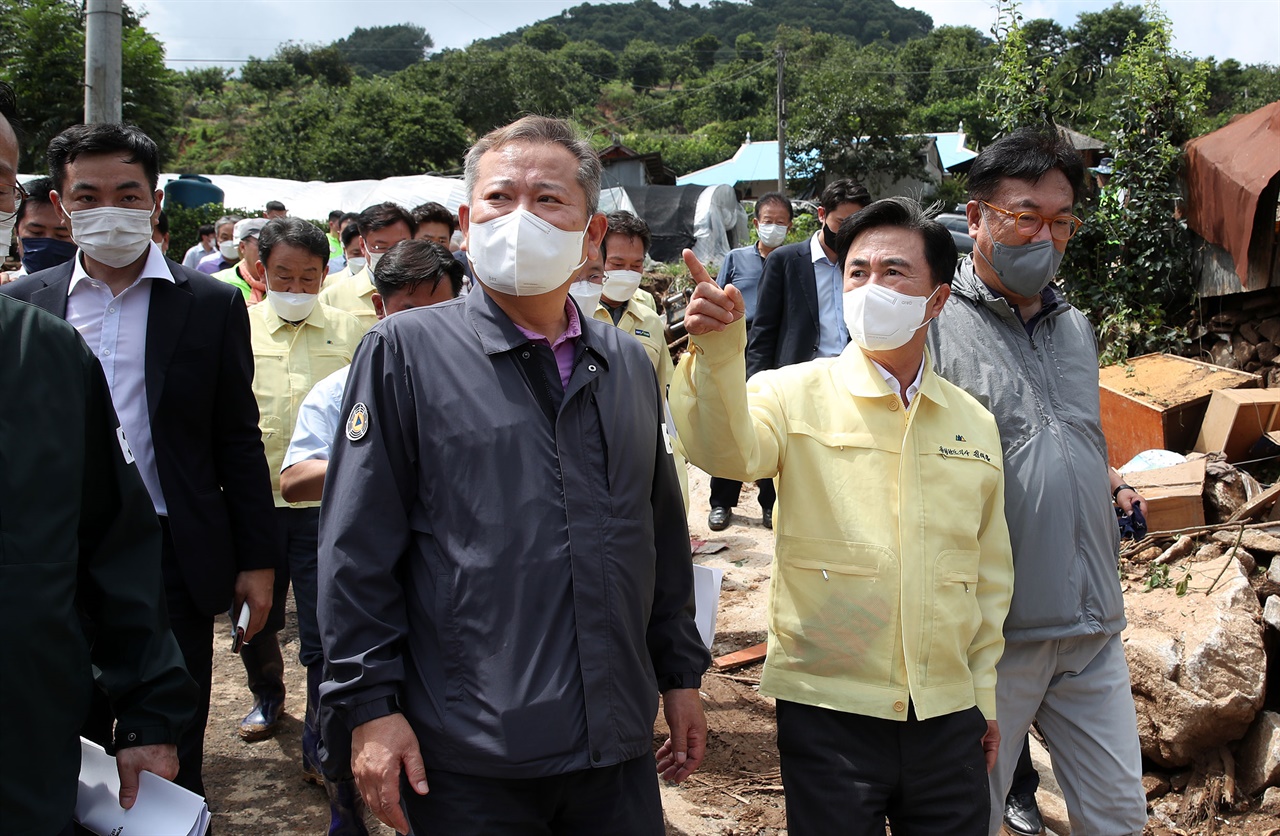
498 334
864 380
969 285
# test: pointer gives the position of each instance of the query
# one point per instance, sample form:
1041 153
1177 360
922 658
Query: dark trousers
620 800
725 492
1025 778
194 632
297 532
846 773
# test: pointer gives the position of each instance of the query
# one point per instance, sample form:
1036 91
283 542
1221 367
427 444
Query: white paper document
161 809
706 601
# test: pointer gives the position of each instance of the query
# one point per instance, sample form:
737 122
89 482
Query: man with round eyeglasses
1009 338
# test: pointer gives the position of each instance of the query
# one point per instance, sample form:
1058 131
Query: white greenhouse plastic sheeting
314 200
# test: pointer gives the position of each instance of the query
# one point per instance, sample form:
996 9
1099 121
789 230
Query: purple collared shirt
565 345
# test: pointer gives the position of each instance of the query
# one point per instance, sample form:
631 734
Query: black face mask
829 237
42 253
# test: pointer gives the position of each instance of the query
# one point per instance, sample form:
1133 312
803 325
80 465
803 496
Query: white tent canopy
315 200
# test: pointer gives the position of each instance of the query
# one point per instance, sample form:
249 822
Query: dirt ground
257 789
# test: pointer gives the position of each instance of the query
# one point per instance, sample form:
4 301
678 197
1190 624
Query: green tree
748 48
1018 92
644 64
376 128
202 80
704 49
544 37
593 59
325 64
380 50
1130 270
849 117
269 76
42 57
1100 37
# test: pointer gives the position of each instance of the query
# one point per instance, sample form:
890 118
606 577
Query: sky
205 32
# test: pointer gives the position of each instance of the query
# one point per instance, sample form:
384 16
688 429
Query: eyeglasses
375 249
11 196
1028 223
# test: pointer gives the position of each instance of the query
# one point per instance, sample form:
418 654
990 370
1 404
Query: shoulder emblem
358 422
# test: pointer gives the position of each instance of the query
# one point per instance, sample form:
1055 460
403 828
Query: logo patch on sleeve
642 333
358 422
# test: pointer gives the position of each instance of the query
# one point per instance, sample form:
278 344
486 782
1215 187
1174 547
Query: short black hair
349 233
844 191
382 215
411 263
904 213
434 213
1025 154
627 225
296 232
335 215
348 218
37 195
205 229
776 198
275 206
162 223
9 109
104 138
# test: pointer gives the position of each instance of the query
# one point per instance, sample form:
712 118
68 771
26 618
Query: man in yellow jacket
893 571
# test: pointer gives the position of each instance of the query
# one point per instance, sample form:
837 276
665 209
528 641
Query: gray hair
541 130
226 219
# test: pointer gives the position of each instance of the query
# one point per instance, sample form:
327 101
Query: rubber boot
346 807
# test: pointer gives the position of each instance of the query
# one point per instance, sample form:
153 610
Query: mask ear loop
926 304
986 224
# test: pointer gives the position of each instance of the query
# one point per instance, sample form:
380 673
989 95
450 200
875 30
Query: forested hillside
689 80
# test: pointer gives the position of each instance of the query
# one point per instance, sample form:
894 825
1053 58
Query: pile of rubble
1203 644
1245 338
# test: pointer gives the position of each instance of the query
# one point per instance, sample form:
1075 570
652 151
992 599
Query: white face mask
586 294
291 307
771 235
6 237
356 263
116 237
881 319
229 250
523 255
620 285
374 258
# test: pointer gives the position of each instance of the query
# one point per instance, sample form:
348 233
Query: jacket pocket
835 609
954 618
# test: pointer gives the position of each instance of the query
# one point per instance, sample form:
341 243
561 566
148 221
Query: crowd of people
468 463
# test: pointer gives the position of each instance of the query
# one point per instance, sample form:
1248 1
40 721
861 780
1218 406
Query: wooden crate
1236 420
1157 402
1174 495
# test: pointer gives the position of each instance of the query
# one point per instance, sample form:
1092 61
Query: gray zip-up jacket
505 561
1043 391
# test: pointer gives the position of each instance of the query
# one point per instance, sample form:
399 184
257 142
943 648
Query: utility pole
102 61
782 126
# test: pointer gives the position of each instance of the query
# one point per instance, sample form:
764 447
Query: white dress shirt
115 327
319 419
894 383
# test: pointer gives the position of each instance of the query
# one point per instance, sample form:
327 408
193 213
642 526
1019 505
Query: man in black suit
174 345
799 312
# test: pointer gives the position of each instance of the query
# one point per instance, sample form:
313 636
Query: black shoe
261 723
768 518
1022 816
718 519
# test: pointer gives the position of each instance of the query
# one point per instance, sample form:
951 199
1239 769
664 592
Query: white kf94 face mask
881 319
114 236
523 255
291 307
586 294
621 285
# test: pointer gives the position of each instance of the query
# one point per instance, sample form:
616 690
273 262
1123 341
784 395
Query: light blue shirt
833 335
742 268
319 419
